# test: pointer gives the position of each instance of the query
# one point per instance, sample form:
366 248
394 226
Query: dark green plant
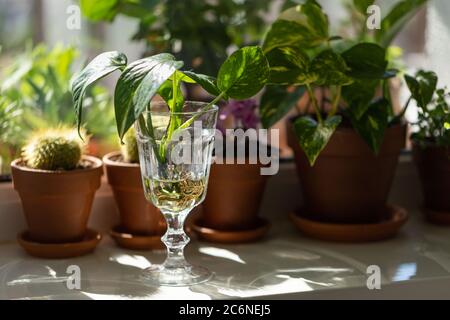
197 32
53 149
433 125
304 57
241 76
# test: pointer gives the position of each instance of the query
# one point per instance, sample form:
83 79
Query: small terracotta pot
234 194
137 215
433 164
57 204
349 183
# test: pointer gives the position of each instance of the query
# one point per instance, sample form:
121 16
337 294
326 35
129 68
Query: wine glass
175 167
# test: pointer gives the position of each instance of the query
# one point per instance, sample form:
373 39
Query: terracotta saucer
127 240
60 250
385 229
241 236
437 217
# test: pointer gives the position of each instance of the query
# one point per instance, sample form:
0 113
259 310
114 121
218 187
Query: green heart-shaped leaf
422 87
99 67
304 26
359 94
206 82
366 61
330 69
137 85
372 125
313 136
276 102
289 65
244 73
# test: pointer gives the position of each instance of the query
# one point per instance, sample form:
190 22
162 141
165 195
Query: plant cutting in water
241 76
304 56
174 188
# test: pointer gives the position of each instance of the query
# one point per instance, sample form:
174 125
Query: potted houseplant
347 150
56 184
230 210
172 183
141 223
35 94
431 144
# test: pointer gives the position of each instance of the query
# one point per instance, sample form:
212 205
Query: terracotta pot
234 194
57 204
348 183
433 164
137 215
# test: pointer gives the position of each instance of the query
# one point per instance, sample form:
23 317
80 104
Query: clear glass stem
175 240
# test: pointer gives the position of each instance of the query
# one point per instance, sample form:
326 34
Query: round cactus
54 149
129 148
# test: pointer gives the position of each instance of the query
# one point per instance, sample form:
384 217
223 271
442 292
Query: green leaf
313 136
276 102
99 10
362 5
166 92
330 69
99 67
396 19
359 94
372 125
244 73
303 26
422 87
206 82
137 85
289 65
366 61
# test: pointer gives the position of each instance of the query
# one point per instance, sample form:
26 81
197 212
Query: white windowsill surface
285 265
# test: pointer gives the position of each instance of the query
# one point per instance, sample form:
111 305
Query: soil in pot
234 195
57 204
433 164
137 215
349 183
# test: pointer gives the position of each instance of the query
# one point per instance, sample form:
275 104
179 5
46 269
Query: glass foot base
161 275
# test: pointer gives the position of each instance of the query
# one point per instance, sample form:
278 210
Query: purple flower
243 113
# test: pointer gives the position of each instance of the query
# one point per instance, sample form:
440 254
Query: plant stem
336 100
314 102
202 111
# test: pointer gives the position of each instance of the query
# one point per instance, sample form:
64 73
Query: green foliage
302 53
433 125
54 149
305 24
38 82
422 87
313 136
396 19
372 124
276 102
242 75
196 32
